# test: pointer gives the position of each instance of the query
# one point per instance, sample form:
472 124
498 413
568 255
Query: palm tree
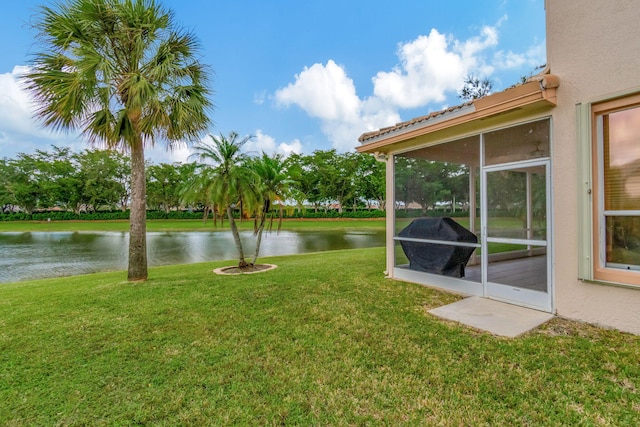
229 182
195 191
122 73
273 185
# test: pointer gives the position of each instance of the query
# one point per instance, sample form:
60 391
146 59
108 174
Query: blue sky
313 75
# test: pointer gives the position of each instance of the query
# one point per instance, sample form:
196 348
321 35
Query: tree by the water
225 179
273 186
122 73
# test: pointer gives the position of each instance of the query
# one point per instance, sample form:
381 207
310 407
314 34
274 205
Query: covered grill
443 259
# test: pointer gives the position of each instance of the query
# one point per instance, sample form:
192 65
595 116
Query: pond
37 255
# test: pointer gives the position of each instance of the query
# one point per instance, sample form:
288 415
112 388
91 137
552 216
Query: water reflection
37 255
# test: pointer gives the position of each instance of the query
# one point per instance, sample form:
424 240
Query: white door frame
509 293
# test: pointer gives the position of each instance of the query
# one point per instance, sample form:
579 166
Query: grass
323 339
185 225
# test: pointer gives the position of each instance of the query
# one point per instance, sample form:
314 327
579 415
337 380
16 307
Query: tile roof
422 120
540 87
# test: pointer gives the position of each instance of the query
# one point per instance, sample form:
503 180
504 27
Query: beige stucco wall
593 46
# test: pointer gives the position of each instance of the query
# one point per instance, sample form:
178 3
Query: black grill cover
435 258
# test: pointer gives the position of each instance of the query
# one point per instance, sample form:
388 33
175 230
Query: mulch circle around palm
250 269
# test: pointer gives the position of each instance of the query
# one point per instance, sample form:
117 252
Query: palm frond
115 55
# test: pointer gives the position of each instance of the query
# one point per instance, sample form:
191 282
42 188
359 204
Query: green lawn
323 339
185 225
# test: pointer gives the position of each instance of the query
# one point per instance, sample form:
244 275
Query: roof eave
532 94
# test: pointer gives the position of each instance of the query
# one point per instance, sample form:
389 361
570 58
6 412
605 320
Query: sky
300 76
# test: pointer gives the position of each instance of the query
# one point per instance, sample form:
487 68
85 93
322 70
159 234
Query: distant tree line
430 186
98 180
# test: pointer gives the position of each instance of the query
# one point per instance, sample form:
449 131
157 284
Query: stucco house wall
593 46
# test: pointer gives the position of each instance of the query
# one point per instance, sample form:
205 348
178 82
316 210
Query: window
616 190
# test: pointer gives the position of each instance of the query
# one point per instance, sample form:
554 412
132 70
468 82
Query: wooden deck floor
529 273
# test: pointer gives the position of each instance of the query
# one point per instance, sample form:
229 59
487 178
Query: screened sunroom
486 176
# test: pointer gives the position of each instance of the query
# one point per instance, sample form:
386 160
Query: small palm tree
228 181
123 74
273 185
195 191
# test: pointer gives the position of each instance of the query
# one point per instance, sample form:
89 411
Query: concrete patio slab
496 317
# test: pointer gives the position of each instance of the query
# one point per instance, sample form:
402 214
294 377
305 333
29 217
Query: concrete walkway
496 317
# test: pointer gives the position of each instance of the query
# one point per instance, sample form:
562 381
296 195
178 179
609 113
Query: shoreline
187 225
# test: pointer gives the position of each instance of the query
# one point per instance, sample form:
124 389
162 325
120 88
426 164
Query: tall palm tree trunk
259 231
236 237
138 217
206 215
258 242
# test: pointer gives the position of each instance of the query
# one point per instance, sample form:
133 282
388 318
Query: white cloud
259 97
323 91
294 147
262 142
431 69
377 114
433 65
532 58
15 103
178 153
469 49
327 93
537 54
508 60
19 131
374 114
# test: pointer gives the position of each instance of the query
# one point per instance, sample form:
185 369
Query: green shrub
360 213
97 216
